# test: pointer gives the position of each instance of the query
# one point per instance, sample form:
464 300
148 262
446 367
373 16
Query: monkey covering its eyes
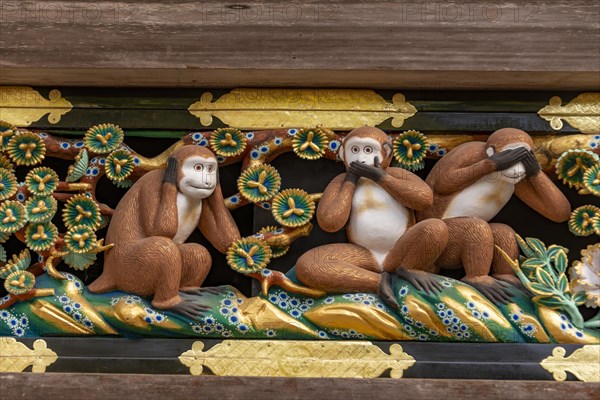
151 224
471 184
375 202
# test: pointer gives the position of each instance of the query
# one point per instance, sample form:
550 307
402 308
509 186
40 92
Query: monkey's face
516 172
198 177
362 150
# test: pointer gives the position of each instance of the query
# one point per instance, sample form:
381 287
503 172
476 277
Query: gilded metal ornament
583 112
16 357
584 363
22 105
288 108
291 358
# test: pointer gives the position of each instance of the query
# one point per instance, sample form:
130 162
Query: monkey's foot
270 278
190 306
386 292
495 290
421 280
199 291
513 280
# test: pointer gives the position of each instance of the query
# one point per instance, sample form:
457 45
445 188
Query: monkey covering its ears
471 184
375 202
151 224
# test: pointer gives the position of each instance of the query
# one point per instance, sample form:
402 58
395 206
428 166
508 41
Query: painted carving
384 284
376 203
471 185
151 224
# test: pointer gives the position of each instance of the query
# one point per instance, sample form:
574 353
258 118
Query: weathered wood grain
150 387
402 44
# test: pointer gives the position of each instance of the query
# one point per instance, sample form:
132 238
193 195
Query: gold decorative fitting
342 109
583 112
22 106
584 363
15 356
296 358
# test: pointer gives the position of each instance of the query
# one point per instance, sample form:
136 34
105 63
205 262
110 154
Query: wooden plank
149 387
480 44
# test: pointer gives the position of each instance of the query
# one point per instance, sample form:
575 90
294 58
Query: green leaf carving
538 248
561 261
540 289
579 298
544 277
550 302
525 249
553 249
79 261
563 283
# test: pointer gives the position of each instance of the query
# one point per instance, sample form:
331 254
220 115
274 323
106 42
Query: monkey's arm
460 168
335 205
541 194
407 188
216 223
159 210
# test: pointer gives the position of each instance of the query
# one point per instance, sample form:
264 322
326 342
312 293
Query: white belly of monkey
483 199
188 217
377 220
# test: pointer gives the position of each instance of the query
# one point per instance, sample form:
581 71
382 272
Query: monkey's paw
386 292
516 282
190 307
498 292
421 280
199 291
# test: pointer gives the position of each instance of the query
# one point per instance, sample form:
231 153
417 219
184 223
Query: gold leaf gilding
583 112
263 315
370 321
292 108
296 358
584 363
22 106
15 356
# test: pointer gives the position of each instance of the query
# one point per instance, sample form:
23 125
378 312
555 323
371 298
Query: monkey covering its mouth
375 202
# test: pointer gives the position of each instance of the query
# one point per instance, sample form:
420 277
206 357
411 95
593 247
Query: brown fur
144 259
472 240
348 267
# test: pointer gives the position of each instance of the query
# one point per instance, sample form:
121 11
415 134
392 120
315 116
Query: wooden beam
157 387
491 44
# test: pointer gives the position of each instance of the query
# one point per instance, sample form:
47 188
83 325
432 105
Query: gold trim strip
584 363
22 106
297 358
583 112
295 108
15 356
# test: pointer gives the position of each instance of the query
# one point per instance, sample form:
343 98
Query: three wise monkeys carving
396 223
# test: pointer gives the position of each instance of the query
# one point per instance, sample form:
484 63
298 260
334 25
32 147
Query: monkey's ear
490 151
341 152
387 146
